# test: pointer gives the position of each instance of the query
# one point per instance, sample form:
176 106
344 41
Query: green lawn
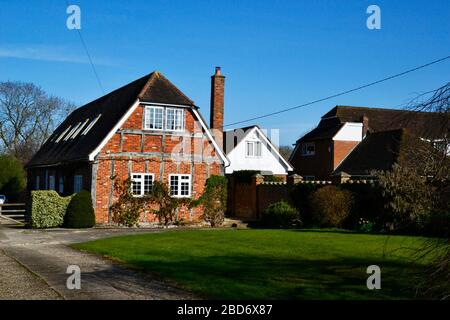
272 264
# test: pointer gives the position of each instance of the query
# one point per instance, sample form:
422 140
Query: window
60 185
141 183
77 183
62 134
308 149
78 130
180 185
51 182
37 183
89 127
174 119
153 119
253 149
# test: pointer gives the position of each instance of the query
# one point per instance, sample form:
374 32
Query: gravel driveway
33 265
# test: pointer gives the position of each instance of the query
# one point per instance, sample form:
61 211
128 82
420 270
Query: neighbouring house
249 148
147 130
357 140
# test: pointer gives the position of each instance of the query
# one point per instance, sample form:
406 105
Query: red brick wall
319 165
116 156
341 150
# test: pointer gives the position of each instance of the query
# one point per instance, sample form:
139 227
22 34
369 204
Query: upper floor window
253 149
153 118
308 149
141 183
156 118
180 185
174 119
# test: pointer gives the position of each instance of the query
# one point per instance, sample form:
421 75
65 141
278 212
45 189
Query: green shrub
280 215
80 213
214 200
46 209
12 177
330 206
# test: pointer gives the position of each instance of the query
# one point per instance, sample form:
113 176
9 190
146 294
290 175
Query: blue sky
275 54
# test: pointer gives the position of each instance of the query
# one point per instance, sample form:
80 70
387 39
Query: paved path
38 260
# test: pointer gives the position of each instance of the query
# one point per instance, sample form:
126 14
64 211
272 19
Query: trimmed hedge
280 215
46 209
80 213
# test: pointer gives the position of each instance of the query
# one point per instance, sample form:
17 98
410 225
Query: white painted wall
267 162
351 131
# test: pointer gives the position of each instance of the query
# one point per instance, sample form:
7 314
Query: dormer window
153 119
174 121
308 149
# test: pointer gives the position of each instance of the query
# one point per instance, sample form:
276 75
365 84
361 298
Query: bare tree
419 187
286 151
28 115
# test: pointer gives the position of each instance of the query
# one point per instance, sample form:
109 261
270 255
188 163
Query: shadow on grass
256 277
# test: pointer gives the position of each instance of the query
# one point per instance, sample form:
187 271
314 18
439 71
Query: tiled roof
425 124
378 151
108 110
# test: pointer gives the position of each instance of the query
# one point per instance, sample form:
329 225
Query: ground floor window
141 183
77 183
180 185
51 182
37 185
60 185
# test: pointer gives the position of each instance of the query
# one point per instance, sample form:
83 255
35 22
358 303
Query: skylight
62 134
79 129
89 127
72 131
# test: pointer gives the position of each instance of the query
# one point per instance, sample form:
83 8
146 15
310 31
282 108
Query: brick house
356 140
147 130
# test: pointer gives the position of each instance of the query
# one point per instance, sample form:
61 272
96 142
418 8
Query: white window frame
252 146
141 180
77 183
177 111
304 149
181 180
147 122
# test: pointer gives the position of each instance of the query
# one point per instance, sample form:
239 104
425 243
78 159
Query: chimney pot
217 71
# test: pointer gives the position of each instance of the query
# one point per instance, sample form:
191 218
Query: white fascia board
208 133
289 167
122 120
165 104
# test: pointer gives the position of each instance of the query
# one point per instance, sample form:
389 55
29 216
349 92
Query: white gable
269 160
351 131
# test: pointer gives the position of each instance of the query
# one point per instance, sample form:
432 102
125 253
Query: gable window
180 185
141 183
153 118
308 149
253 149
174 119
51 182
77 183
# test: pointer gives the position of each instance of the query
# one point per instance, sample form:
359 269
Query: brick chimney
365 122
217 104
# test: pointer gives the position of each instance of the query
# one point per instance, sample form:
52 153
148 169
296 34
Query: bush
214 200
46 209
127 209
80 213
330 206
12 177
300 194
280 215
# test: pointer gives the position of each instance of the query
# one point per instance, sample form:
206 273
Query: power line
340 93
89 56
